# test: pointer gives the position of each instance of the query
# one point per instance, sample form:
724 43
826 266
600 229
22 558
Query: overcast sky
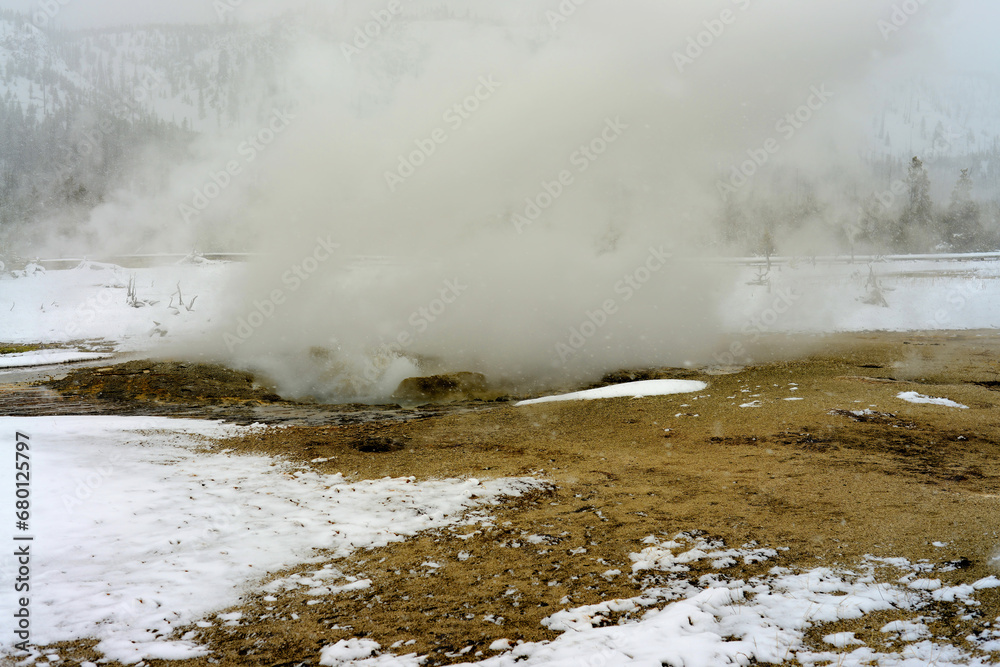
970 32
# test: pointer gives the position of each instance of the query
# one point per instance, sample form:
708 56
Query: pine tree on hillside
915 232
733 223
875 229
962 228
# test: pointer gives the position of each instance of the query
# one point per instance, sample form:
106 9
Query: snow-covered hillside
199 78
34 75
212 76
943 117
92 116
949 122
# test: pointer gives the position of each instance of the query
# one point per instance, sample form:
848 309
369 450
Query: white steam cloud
504 192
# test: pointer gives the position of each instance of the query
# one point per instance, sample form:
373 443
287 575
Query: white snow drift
137 532
914 397
627 390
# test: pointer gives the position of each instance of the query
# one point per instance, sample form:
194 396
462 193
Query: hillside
88 113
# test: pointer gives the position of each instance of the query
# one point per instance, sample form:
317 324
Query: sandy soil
805 474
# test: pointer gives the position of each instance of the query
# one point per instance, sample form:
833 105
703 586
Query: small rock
379 444
451 387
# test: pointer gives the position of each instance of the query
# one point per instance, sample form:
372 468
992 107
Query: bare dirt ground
809 475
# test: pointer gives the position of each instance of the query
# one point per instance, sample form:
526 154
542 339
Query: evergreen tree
915 231
874 229
962 228
733 223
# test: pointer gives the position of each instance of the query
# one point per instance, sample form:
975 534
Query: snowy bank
137 532
47 358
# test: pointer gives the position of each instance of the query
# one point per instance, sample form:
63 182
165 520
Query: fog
548 229
529 195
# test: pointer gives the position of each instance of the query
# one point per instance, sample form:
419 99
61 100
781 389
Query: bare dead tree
180 300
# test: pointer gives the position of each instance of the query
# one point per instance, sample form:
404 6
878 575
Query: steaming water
524 184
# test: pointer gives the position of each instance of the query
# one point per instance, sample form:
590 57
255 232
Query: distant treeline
86 113
78 110
901 217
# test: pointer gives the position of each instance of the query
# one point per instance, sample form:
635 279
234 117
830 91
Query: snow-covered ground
114 560
726 621
90 302
913 295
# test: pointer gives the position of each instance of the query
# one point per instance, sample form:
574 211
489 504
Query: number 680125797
22 465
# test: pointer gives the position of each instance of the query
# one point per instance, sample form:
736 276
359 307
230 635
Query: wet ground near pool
135 387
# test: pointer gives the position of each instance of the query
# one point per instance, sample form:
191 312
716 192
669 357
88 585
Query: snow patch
639 389
914 397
